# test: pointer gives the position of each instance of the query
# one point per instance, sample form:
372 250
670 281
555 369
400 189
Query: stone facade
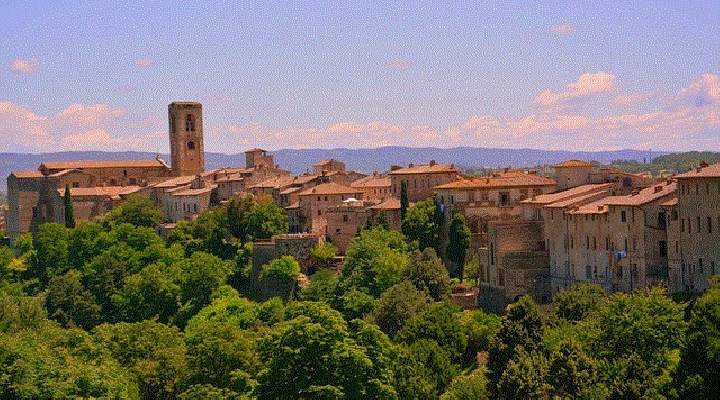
698 206
421 179
345 220
187 149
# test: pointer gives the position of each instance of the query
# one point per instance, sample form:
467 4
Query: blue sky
550 75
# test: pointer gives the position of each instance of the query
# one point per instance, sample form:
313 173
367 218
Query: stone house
315 202
421 179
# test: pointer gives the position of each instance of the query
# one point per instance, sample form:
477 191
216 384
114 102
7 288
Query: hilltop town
528 234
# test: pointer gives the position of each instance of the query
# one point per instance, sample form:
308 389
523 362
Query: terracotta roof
575 200
372 181
329 188
194 192
596 207
32 173
711 171
505 179
179 181
389 204
291 190
274 183
571 193
574 163
111 191
425 169
670 203
57 165
254 150
644 196
293 206
326 162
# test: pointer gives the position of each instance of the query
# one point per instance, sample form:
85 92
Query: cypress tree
404 202
69 211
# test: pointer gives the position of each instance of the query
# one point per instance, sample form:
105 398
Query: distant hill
672 163
363 160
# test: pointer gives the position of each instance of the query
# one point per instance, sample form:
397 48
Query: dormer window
189 123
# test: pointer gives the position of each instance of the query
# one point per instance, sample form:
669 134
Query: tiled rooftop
154 163
574 163
329 188
711 171
504 179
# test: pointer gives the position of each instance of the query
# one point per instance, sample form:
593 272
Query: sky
596 75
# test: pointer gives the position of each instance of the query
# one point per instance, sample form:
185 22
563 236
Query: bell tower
187 151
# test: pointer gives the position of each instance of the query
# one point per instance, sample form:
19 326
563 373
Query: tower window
189 123
191 145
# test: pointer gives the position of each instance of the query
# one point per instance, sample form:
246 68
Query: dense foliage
110 309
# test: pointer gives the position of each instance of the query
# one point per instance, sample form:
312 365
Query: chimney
375 173
432 163
600 208
395 167
411 165
658 189
703 164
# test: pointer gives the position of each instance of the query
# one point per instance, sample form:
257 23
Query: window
594 243
191 145
700 265
319 212
663 248
588 272
709 224
623 216
698 224
125 173
345 218
189 123
661 220
326 199
75 184
682 225
587 242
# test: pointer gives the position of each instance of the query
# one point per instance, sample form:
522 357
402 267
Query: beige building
515 263
187 149
490 198
698 206
620 242
345 220
374 187
314 203
574 173
421 179
327 166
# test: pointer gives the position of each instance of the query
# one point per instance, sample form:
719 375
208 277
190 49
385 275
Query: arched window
191 145
189 123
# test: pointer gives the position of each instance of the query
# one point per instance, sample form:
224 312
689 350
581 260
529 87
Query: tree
521 327
439 322
70 304
324 253
85 242
51 256
266 219
69 211
471 386
137 210
697 374
479 328
154 292
314 352
400 303
154 353
423 370
579 302
404 201
420 224
60 363
639 337
322 287
458 243
426 271
374 261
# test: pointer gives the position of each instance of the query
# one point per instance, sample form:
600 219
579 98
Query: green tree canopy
374 261
579 302
153 353
426 271
397 305
137 210
421 224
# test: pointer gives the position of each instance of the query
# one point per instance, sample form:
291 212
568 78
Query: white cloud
77 127
398 65
144 62
27 67
577 93
563 29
